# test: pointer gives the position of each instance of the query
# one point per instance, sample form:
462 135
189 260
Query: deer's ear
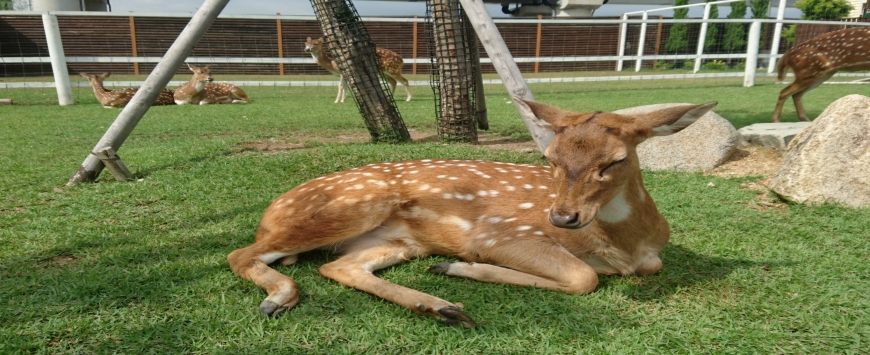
189 66
671 120
207 67
308 39
105 75
550 114
83 74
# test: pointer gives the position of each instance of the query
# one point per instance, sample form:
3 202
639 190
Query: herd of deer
199 90
559 226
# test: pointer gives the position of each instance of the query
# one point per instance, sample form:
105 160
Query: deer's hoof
272 309
454 317
440 268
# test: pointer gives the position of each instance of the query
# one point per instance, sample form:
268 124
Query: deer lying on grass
556 227
201 90
817 60
390 64
120 97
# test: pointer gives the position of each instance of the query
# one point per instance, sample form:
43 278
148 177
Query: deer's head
201 74
313 45
95 78
593 155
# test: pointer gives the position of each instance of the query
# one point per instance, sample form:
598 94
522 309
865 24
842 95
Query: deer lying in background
390 64
556 227
201 90
817 60
120 98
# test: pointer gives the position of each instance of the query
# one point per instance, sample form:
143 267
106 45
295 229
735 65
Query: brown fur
555 227
201 90
120 97
817 60
390 64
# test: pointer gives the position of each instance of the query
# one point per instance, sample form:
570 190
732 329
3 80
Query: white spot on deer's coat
457 221
617 210
495 220
358 186
489 243
526 205
424 187
524 228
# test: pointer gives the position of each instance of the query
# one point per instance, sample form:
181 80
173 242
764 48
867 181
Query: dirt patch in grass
287 143
755 161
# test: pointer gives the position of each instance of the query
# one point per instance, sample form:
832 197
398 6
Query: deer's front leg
537 263
355 270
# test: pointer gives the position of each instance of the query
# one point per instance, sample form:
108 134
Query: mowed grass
140 267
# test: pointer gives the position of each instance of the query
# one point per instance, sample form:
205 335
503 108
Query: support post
752 54
507 69
154 84
58 59
620 47
777 34
414 49
538 45
280 46
116 166
641 42
702 37
133 43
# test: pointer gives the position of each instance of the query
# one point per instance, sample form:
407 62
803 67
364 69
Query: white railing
751 56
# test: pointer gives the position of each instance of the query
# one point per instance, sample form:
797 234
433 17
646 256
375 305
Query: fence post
58 59
777 33
623 28
641 42
280 45
702 37
538 45
414 49
134 44
752 54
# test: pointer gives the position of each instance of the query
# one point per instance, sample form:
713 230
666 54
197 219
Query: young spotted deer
556 227
201 90
120 97
817 60
390 64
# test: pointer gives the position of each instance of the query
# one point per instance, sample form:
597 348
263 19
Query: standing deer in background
201 90
817 60
390 64
555 227
120 97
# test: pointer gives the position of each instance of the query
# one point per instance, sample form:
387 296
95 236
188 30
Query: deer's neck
323 60
98 88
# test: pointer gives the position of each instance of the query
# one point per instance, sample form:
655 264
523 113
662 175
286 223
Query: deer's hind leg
356 268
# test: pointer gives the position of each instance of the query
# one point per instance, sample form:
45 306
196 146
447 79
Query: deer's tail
780 66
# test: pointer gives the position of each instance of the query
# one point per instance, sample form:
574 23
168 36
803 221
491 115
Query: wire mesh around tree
350 46
453 45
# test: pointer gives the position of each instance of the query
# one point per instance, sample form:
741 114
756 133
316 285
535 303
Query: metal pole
640 42
154 84
752 54
702 37
58 59
777 33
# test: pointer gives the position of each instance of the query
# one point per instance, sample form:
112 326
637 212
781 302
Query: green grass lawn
140 267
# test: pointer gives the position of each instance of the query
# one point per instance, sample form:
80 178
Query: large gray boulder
830 160
700 147
772 135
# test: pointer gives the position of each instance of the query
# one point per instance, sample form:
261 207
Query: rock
830 160
700 147
772 135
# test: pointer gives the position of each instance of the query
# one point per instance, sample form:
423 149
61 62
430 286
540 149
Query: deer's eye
612 164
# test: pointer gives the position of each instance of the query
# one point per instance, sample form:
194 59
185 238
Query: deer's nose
565 220
210 79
